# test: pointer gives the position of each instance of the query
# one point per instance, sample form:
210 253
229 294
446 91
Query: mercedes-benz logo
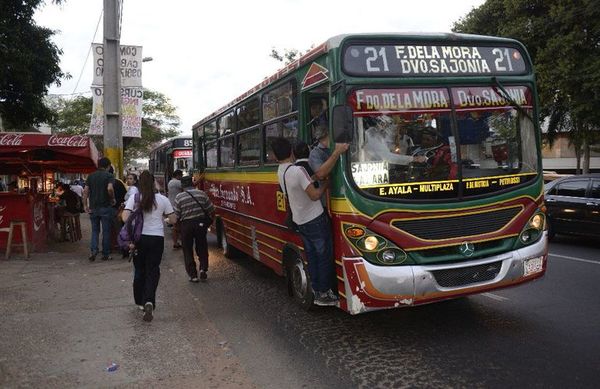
466 248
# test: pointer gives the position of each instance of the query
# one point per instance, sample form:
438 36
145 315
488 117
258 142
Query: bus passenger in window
440 164
318 115
313 223
380 143
402 142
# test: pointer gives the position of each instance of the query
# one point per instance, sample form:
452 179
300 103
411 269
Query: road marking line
495 296
574 259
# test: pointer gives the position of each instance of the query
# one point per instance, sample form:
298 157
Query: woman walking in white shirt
151 244
132 186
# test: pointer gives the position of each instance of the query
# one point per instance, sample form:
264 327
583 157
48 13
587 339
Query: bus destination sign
432 60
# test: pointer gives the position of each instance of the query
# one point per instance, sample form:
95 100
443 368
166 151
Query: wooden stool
9 242
71 226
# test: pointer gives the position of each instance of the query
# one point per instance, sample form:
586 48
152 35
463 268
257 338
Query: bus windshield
441 143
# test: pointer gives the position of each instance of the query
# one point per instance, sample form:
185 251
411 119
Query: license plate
533 265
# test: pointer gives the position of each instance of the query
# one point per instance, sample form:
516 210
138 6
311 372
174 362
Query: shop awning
32 153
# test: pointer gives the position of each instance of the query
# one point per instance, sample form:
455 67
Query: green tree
159 122
563 38
289 55
29 64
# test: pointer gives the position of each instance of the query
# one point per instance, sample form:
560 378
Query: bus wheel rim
299 279
224 243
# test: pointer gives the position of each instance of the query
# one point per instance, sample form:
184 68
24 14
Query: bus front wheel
299 282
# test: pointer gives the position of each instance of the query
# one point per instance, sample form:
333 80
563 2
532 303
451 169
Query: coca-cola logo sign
68 141
38 216
11 140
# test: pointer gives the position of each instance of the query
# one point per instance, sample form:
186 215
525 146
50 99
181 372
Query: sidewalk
65 319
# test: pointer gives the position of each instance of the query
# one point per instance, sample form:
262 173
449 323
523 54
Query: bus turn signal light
354 232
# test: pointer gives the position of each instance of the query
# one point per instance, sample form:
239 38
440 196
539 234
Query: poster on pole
130 64
131 111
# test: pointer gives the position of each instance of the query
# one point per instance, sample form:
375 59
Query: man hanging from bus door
313 223
321 159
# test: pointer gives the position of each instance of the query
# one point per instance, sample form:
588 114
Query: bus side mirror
343 125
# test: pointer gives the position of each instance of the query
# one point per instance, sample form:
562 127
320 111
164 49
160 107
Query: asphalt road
63 320
545 334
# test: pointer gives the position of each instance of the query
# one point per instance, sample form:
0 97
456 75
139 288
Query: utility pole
113 137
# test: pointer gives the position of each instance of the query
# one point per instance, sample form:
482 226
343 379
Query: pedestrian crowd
110 203
120 209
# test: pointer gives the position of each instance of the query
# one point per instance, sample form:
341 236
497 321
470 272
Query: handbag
209 219
131 232
289 218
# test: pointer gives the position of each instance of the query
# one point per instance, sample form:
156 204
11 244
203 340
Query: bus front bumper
369 287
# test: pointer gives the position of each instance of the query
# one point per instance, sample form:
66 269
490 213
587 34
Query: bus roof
337 41
169 142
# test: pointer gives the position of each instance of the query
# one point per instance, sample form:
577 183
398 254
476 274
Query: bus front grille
457 226
449 278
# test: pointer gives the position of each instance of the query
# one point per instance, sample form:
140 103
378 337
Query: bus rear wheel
228 250
299 282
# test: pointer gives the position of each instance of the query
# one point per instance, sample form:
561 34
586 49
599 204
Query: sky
206 53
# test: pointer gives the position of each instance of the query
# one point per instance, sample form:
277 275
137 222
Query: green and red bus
449 203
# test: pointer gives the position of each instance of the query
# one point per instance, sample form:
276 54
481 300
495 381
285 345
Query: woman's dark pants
147 268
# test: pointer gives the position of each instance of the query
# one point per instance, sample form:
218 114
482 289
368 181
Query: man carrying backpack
195 212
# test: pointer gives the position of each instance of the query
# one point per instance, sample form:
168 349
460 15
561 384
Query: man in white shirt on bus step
313 223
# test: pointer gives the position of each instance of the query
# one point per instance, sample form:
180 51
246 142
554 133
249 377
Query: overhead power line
88 53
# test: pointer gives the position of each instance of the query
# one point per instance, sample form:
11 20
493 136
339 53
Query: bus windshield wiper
502 92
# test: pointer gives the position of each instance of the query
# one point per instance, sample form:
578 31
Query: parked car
550 175
573 205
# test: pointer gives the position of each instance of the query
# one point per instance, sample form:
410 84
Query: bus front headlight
533 229
392 256
371 243
374 248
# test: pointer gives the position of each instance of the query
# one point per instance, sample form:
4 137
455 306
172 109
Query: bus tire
228 250
298 280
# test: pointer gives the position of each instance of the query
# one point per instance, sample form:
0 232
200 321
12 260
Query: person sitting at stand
68 203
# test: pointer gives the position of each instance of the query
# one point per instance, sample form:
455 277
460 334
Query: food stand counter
33 158
30 208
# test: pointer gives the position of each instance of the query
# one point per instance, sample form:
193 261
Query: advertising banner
131 111
130 64
131 91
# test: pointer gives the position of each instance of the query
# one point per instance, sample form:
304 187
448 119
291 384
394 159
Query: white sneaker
194 279
148 308
322 299
332 295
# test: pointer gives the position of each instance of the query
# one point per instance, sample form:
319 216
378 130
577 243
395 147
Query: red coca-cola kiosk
31 160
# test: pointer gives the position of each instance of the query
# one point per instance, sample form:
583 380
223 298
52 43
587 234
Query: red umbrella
34 153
